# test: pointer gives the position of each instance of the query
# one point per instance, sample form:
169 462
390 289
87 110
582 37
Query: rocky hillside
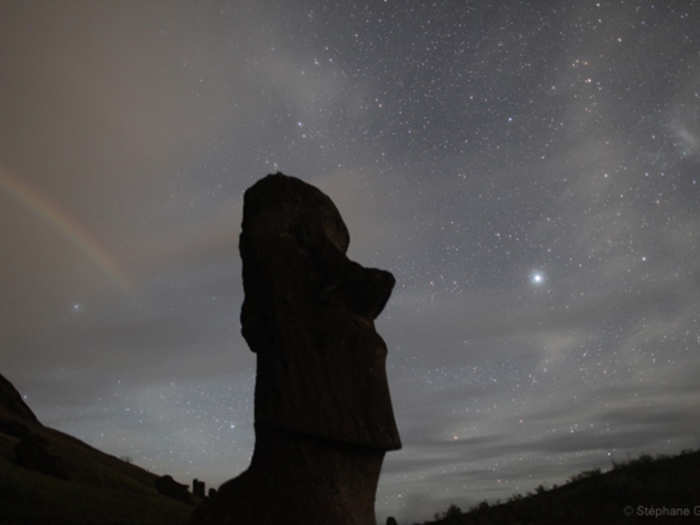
49 477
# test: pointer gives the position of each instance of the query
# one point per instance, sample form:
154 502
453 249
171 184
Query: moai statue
323 414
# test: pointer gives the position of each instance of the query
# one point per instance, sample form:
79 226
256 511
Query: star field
528 171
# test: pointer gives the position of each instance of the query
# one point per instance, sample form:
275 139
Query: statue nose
368 290
363 291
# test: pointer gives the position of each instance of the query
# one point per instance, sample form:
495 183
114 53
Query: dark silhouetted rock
12 427
212 492
391 521
49 477
198 488
167 486
12 404
31 453
323 414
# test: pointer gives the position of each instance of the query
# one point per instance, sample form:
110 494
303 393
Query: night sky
528 171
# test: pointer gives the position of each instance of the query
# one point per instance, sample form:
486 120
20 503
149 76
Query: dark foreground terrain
644 490
48 477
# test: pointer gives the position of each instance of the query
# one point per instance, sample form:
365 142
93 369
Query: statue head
308 315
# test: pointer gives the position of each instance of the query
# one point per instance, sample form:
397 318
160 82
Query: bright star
537 278
76 307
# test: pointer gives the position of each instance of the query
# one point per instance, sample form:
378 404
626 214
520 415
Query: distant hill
659 490
48 477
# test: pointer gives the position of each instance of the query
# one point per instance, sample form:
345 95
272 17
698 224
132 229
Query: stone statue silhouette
323 414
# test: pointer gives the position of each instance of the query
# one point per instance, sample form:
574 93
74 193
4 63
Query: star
537 278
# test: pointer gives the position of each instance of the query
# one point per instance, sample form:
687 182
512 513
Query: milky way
528 171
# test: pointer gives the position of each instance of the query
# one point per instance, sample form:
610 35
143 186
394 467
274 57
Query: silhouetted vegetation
662 488
451 515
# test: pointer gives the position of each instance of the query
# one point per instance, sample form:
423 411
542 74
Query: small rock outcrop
14 428
323 413
167 486
198 488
